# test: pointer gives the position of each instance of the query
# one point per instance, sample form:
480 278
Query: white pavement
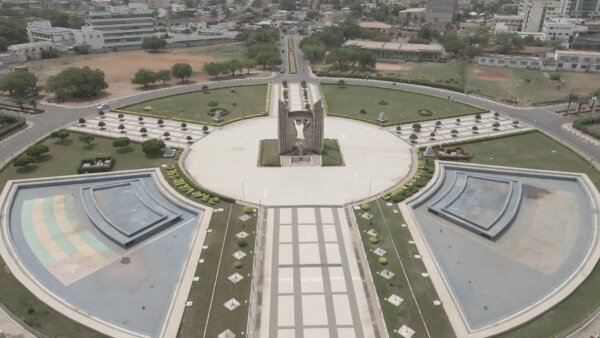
227 161
464 128
177 138
312 285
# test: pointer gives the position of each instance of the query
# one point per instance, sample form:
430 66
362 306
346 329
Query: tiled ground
312 284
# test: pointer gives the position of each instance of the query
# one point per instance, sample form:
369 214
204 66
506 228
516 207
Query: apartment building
562 29
536 12
581 9
577 61
123 26
64 38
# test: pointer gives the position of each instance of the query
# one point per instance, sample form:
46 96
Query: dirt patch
491 73
119 68
392 66
587 80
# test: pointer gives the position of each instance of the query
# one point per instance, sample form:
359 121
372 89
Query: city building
536 12
585 41
400 52
510 61
29 51
577 61
412 13
375 26
507 23
123 26
64 38
562 29
440 11
581 8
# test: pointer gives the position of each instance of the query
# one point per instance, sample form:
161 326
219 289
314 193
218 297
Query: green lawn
399 106
389 225
240 101
63 159
527 86
331 156
227 51
195 317
536 150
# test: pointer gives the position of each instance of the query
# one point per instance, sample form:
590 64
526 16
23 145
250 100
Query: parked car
103 106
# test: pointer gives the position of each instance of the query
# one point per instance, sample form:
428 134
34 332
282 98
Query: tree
181 71
183 126
121 142
23 161
121 116
457 121
76 82
189 138
20 84
167 135
37 150
86 138
213 68
416 126
398 129
153 147
164 76
248 64
496 115
496 125
342 84
143 131
233 66
122 128
413 137
432 135
144 77
581 101
454 132
60 134
81 121
205 129
572 97
101 124
477 117
154 43
160 122
140 120
475 129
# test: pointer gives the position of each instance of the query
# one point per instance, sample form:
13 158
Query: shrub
413 137
496 115
101 113
153 147
121 142
365 207
425 112
37 150
189 138
213 200
23 160
438 123
496 125
416 126
382 260
86 138
212 111
303 84
121 116
383 102
160 122
477 117
458 121
61 134
121 128
398 129
242 242
205 128
143 130
515 123
101 125
432 135
213 103
81 120
363 112
475 128
238 264
141 120
554 77
454 132
166 134
248 210
285 83
373 240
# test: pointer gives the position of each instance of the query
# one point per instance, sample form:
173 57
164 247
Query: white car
103 106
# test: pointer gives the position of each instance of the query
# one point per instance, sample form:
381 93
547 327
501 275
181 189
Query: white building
577 61
581 9
29 51
123 26
536 12
511 61
507 23
175 8
562 29
64 38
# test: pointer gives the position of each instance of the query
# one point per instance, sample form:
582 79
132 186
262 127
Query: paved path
10 328
313 287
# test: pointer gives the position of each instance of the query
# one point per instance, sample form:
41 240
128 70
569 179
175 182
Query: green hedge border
20 123
226 122
389 79
387 124
194 185
582 124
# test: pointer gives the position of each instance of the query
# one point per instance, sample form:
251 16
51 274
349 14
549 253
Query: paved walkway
312 285
11 328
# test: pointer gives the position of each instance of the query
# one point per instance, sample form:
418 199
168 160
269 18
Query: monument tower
300 132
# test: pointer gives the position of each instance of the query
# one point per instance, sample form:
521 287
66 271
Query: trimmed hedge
17 123
582 124
92 161
425 170
184 186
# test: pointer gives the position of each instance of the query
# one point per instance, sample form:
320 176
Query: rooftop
434 47
577 52
374 25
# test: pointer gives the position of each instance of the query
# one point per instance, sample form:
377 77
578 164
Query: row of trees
262 46
229 67
351 56
146 76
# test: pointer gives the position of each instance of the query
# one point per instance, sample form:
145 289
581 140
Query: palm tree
572 97
582 100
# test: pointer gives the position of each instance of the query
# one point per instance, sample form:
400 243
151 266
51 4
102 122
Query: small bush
373 240
242 243
382 260
213 103
365 207
238 264
383 102
248 210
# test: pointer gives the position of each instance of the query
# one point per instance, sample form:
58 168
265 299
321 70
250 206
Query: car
103 106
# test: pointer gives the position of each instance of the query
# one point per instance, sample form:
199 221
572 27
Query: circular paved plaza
226 161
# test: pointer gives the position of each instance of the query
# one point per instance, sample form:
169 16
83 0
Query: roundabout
226 161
